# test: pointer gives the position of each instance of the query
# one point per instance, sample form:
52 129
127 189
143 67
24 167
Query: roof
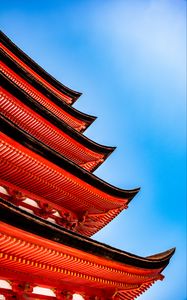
42 94
19 219
50 202
59 135
54 85
51 156
37 127
42 174
96 266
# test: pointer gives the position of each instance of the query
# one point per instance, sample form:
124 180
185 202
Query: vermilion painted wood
28 171
17 69
34 164
27 253
10 295
38 69
49 134
64 97
44 209
42 99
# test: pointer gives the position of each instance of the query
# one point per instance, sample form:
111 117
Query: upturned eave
71 94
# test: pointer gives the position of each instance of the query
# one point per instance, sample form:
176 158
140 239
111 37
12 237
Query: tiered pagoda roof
38 252
54 86
50 200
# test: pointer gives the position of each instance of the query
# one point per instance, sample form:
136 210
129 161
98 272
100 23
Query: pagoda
51 203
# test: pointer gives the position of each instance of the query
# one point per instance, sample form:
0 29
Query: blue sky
128 59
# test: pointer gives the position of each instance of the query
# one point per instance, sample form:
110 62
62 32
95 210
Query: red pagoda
50 201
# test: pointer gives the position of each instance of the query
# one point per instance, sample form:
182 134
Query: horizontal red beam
25 295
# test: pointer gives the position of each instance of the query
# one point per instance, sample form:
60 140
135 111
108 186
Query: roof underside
50 202
25 239
39 92
34 130
65 93
42 175
38 122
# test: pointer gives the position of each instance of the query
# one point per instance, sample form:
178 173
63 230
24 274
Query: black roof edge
166 254
14 216
88 119
48 115
24 57
106 156
30 142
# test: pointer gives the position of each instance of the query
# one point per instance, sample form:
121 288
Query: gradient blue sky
128 59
